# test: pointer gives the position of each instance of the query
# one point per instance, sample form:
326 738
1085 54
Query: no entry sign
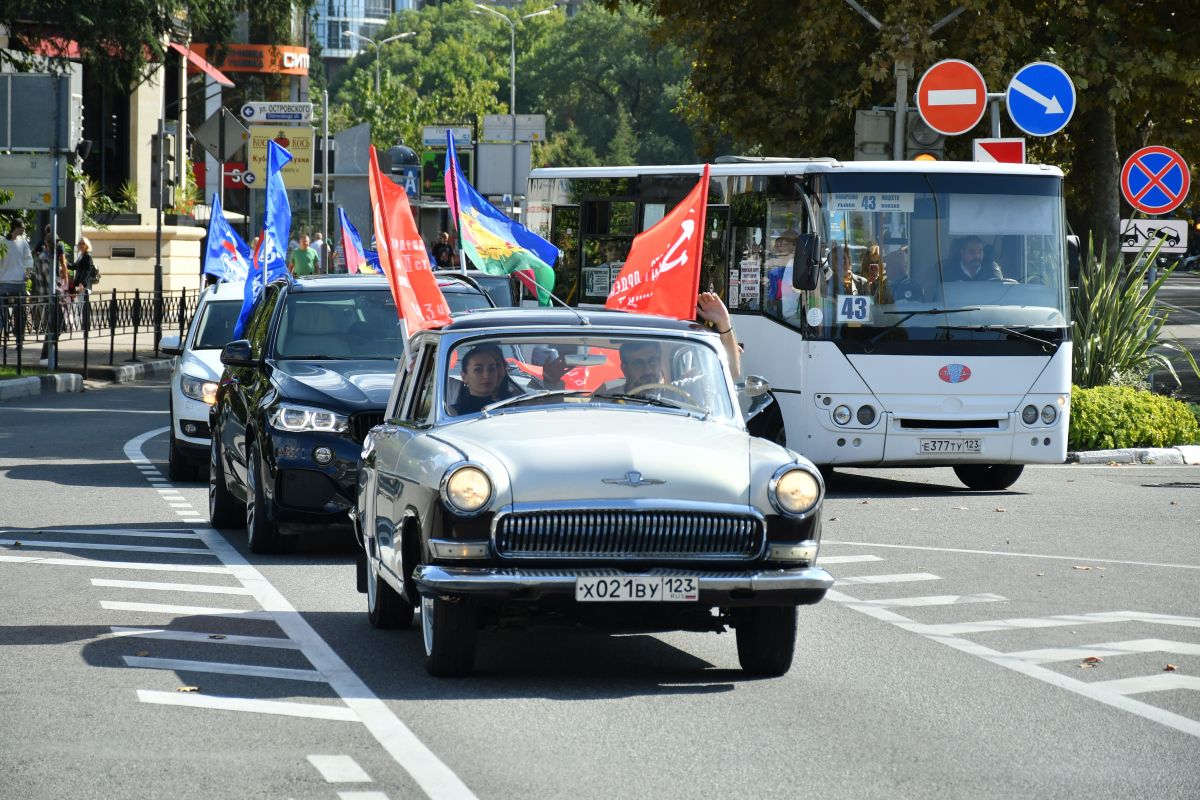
951 97
1155 180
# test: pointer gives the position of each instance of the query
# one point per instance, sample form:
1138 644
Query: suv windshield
632 371
214 329
339 324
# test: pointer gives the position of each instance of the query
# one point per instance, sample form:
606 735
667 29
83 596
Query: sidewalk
70 377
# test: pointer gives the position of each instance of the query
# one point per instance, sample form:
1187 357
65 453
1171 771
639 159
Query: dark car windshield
214 329
464 300
342 324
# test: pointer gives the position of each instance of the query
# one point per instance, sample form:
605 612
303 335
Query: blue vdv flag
227 257
270 260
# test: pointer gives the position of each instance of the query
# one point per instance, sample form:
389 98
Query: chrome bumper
484 580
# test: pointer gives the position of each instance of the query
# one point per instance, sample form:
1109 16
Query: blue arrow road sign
1041 99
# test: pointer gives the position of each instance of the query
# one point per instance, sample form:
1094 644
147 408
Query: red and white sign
1000 151
951 97
1155 180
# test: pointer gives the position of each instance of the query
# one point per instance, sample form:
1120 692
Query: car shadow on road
859 485
99 473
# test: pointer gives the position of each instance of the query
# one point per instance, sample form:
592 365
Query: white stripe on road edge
1048 655
155 586
83 562
124 548
88 411
436 779
907 577
309 710
184 611
245 670
339 769
934 600
1165 682
1057 621
823 560
205 638
134 533
1076 559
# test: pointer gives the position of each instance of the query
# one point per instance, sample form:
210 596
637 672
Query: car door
246 387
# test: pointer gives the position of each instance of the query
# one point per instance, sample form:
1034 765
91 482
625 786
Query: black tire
262 535
386 609
769 425
224 510
988 477
448 629
179 466
766 639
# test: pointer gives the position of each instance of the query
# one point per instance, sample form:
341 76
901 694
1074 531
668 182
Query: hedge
1108 417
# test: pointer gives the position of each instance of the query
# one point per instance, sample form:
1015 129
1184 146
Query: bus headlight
866 415
1049 414
466 489
841 415
1029 415
794 491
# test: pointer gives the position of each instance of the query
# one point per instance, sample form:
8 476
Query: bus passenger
904 288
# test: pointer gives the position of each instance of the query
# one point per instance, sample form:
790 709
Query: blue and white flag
227 257
270 260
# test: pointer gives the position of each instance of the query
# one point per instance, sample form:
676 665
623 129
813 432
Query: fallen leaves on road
1000 510
1174 502
1090 662
1170 668
864 502
1041 574
188 689
1083 567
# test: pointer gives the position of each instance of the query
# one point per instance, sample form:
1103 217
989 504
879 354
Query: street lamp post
512 86
378 44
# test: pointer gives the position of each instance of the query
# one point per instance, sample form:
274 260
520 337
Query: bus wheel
769 425
988 477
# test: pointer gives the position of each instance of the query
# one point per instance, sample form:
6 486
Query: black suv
297 398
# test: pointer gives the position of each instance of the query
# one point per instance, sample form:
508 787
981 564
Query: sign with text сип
298 173
268 113
1139 233
30 178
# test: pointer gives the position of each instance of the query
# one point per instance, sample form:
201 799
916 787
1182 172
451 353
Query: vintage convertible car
584 467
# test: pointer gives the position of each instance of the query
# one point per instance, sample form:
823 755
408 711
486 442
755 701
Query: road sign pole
900 121
996 98
327 250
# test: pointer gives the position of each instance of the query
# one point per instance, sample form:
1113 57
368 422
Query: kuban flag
661 275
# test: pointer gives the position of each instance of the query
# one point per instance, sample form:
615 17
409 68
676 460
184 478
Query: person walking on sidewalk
16 260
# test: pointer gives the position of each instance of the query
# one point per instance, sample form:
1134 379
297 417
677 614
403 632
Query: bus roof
797 166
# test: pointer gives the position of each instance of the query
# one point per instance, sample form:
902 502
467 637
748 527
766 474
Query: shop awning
198 64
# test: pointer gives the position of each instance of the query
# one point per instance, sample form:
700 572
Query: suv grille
361 424
628 534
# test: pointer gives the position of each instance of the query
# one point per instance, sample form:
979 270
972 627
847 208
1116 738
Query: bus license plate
637 589
951 445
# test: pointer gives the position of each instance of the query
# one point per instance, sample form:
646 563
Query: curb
127 373
34 385
1184 454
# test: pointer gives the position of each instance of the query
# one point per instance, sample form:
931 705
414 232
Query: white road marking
1058 621
134 533
362 796
136 565
205 638
1164 682
1076 559
88 411
246 670
124 548
907 577
154 586
952 97
1048 655
280 707
339 769
184 611
846 559
932 600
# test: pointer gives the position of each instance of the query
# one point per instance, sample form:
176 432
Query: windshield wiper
910 314
520 398
1048 346
314 357
653 401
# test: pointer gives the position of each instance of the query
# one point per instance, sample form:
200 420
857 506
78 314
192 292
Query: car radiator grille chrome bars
628 534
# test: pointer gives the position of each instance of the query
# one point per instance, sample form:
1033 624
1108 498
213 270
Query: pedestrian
303 259
318 244
442 252
86 273
15 261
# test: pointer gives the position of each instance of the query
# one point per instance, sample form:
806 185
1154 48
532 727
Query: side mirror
1073 259
807 263
753 386
754 396
170 345
237 354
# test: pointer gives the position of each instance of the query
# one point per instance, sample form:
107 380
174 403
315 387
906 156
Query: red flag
662 273
402 255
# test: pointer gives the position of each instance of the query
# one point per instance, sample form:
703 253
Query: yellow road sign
298 174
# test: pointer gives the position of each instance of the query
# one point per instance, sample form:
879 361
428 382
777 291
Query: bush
1109 417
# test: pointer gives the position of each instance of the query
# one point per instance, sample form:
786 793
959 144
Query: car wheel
448 627
262 535
988 477
766 639
385 607
179 468
224 510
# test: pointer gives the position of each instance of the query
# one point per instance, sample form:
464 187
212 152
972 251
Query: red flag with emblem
662 273
402 255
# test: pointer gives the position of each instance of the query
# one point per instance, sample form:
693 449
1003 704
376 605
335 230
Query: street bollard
137 318
87 325
112 326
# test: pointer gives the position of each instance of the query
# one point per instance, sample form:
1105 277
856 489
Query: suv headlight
198 389
794 491
298 419
466 489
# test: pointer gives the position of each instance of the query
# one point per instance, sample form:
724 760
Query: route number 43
855 308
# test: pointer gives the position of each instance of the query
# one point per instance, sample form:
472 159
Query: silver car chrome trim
774 482
466 580
451 548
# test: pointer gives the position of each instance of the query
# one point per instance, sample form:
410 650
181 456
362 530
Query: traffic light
164 172
923 143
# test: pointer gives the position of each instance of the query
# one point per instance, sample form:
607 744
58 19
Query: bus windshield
939 256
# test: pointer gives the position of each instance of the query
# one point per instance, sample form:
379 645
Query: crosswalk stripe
132 533
897 578
959 628
155 586
823 560
185 611
284 708
135 565
931 600
124 548
1048 655
1163 682
205 638
339 769
246 670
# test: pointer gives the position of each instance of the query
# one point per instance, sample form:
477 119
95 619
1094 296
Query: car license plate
951 445
637 589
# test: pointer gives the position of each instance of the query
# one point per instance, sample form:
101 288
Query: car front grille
361 424
624 533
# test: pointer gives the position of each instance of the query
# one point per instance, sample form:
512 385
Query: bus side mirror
1073 259
807 264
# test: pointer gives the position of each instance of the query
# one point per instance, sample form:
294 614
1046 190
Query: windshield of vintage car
214 329
360 323
634 371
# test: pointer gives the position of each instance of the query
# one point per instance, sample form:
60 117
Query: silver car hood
589 454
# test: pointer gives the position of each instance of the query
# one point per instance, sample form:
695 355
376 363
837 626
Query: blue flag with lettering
227 257
270 259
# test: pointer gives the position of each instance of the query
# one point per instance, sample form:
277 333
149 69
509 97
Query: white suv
194 380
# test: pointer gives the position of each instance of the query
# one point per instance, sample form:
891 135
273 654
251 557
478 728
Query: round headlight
841 415
468 489
1049 414
1029 415
866 415
795 491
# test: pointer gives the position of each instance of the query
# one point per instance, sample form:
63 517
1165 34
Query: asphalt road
952 660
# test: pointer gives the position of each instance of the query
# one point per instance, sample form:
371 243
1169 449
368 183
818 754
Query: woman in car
484 380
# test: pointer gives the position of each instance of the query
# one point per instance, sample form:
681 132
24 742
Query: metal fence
96 318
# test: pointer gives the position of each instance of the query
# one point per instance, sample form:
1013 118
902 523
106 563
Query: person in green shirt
303 259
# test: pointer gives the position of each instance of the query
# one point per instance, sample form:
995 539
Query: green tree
565 149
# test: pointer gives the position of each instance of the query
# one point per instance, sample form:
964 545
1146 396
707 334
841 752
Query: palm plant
1117 330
